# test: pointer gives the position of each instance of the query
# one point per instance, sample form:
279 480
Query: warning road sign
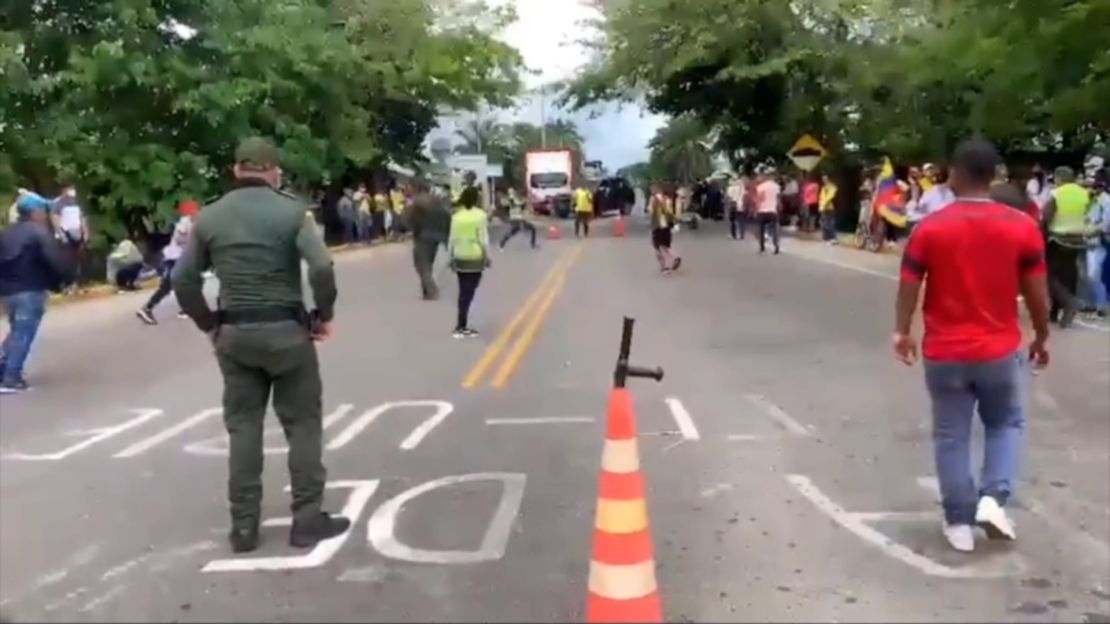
807 153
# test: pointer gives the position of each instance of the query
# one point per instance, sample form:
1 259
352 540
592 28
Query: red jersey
974 254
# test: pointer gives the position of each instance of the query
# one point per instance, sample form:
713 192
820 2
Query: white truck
549 176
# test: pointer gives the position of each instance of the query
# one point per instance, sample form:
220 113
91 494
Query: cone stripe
617 486
621 424
622 549
624 582
646 609
620 456
621 516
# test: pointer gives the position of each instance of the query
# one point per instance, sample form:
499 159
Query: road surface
787 457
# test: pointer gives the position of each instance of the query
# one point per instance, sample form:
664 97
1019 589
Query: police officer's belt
262 315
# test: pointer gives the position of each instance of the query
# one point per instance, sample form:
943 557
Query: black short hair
977 159
471 197
1011 195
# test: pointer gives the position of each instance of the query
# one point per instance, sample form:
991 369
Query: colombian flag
890 196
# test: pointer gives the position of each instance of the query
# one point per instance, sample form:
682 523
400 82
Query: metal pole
624 370
543 116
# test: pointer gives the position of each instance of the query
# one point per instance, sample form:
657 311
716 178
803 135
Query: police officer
429 220
255 238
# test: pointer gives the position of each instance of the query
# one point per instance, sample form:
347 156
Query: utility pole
543 116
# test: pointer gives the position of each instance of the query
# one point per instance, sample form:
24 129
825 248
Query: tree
141 103
903 78
680 152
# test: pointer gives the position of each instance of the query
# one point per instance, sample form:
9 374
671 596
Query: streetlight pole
543 116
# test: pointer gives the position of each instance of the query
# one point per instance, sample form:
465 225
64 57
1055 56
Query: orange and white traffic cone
618 226
622 585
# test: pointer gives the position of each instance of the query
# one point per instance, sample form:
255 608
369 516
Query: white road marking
73 595
442 410
380 530
80 558
145 445
217 445
99 435
845 265
544 420
683 419
742 437
899 516
857 524
158 561
1094 549
361 492
1089 325
710 492
778 415
113 592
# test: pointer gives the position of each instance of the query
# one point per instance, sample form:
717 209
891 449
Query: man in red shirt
975 257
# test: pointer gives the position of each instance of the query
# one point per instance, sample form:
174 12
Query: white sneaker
993 519
960 536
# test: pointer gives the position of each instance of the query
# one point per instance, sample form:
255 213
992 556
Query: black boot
244 539
308 532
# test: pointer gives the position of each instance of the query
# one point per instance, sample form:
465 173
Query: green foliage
908 78
141 102
680 152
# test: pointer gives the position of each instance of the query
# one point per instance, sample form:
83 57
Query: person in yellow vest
382 222
1065 221
583 211
397 208
663 219
518 219
826 206
468 250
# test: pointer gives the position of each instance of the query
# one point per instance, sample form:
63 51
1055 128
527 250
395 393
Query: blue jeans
1096 257
25 311
997 387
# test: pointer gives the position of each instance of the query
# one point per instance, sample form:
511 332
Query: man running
170 255
767 209
518 220
1065 220
974 257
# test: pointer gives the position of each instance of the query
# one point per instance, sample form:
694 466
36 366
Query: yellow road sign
807 153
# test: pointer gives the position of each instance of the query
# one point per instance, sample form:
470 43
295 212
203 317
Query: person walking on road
767 210
662 229
1098 237
429 220
583 211
170 255
826 207
255 238
32 264
468 248
1065 220
974 257
737 192
518 220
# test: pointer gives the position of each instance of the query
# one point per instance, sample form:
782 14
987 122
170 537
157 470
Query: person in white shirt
171 253
938 196
1038 188
737 189
768 205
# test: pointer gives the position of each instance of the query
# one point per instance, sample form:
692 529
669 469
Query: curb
100 290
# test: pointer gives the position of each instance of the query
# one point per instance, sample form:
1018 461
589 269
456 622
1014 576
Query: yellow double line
534 311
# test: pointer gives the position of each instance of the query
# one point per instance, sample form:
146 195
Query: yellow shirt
828 194
398 200
381 203
582 201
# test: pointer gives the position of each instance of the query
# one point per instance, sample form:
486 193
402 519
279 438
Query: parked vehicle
550 179
614 195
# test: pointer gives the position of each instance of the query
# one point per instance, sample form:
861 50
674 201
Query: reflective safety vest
516 208
828 194
1072 201
397 198
582 201
466 234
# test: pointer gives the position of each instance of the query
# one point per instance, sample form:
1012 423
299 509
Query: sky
545 33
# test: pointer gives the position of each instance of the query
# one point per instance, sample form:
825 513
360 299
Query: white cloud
547 33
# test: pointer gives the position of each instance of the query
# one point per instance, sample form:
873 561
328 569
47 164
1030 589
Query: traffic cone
618 226
553 232
622 586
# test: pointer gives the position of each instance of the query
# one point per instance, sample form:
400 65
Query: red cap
188 208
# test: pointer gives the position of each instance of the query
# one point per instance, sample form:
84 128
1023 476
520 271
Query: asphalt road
787 457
